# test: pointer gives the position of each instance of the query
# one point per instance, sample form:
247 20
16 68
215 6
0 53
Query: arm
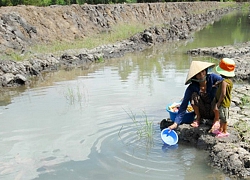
223 93
183 107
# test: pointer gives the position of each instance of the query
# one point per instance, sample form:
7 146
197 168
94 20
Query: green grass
144 127
245 100
245 6
118 33
243 128
74 95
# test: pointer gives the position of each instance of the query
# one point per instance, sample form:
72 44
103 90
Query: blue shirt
195 87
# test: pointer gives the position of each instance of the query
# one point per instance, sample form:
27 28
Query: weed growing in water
74 95
144 128
70 95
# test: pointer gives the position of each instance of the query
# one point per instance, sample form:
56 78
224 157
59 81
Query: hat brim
224 73
196 67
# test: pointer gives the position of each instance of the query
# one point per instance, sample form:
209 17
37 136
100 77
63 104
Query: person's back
226 102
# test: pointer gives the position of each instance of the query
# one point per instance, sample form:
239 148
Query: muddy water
88 124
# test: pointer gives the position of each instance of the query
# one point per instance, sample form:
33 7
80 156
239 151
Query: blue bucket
169 137
187 119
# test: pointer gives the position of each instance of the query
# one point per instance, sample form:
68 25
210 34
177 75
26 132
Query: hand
173 126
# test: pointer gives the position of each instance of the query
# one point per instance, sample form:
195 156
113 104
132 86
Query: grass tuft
144 127
243 128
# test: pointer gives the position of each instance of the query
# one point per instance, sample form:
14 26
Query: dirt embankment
23 26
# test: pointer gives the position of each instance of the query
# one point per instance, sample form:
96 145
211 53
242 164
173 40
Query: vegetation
56 2
243 128
245 100
141 136
119 32
144 128
69 2
74 95
40 2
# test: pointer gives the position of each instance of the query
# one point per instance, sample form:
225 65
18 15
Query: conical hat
196 67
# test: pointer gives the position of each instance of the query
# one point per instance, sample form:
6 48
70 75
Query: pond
88 124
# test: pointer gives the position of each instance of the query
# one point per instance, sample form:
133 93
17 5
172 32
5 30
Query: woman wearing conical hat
200 93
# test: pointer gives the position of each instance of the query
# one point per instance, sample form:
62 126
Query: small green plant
74 95
243 128
69 95
100 59
239 22
245 100
144 128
